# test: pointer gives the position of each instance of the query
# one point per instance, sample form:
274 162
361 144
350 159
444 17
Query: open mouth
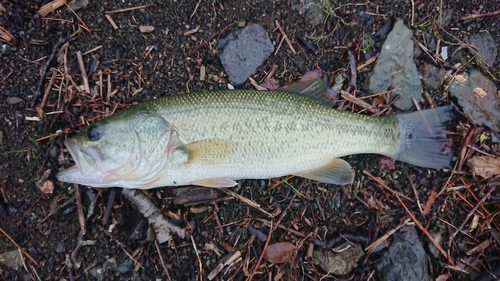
73 150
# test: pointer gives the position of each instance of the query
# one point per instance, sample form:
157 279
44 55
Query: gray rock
432 77
395 68
405 259
11 259
477 95
243 55
312 9
487 48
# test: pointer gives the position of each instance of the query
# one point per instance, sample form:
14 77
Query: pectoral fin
216 182
211 151
337 171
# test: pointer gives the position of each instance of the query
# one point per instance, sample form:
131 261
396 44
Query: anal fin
336 171
215 182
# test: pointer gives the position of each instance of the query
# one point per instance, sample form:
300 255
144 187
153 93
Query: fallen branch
163 228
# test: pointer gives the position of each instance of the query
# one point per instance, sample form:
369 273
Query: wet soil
166 61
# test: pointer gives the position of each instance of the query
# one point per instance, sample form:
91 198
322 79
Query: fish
214 138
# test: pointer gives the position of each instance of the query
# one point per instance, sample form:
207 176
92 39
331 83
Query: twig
19 247
416 196
246 201
7 76
47 90
471 17
382 183
357 101
109 207
57 209
195 8
377 242
122 246
472 212
198 256
263 252
422 228
61 41
354 72
161 260
79 19
81 217
129 9
210 38
286 37
163 227
83 72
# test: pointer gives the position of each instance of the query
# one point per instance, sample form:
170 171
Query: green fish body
214 138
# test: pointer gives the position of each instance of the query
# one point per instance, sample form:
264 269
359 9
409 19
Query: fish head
127 150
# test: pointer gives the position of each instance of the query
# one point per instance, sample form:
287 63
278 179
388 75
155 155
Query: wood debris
7 37
146 28
50 7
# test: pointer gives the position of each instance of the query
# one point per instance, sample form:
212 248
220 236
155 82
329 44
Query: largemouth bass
214 138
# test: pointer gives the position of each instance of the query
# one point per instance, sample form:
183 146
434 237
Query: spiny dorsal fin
315 89
337 171
211 151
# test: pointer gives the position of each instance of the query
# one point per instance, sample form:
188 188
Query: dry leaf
280 252
443 277
47 187
311 74
485 166
429 203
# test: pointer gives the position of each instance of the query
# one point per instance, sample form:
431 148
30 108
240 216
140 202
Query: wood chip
6 36
2 8
112 22
146 28
50 7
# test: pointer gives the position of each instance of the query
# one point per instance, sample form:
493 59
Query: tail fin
423 139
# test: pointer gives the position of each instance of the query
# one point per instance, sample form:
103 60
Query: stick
19 247
129 9
471 17
286 37
426 232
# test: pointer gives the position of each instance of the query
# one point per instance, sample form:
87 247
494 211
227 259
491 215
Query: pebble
245 53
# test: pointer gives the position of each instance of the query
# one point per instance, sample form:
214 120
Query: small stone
405 259
477 94
6 49
487 49
243 55
395 68
432 76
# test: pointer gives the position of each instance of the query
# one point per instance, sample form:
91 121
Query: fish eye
94 132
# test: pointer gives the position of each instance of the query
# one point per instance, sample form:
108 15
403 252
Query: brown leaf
485 166
280 252
443 277
311 74
429 203
386 162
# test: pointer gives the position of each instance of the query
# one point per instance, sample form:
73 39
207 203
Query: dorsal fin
315 89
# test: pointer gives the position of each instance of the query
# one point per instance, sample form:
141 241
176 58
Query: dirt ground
35 119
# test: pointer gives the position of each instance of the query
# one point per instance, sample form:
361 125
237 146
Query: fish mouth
73 148
85 171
